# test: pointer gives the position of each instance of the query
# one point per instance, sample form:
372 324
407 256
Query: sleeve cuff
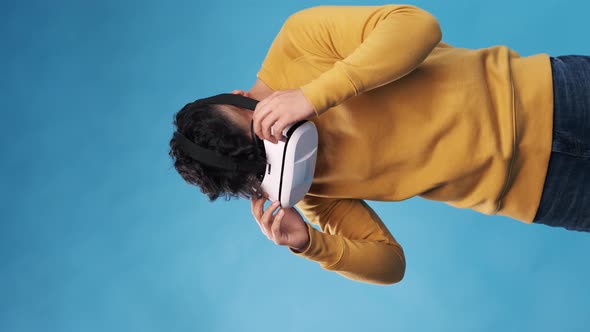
323 248
306 250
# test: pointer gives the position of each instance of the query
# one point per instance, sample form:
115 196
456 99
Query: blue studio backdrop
99 233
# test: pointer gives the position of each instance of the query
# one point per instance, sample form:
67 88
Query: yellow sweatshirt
400 114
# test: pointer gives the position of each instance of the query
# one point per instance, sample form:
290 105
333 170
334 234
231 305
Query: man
399 114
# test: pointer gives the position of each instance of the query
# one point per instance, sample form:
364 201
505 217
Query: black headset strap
213 159
231 99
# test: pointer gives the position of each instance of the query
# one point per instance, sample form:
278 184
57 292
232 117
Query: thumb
241 92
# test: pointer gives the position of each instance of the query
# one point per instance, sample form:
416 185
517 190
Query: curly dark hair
209 127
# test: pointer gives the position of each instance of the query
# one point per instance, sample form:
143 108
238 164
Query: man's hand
286 228
279 110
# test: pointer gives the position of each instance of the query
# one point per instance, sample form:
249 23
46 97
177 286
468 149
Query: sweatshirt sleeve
370 46
353 241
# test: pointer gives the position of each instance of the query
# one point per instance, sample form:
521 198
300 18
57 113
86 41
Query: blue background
99 233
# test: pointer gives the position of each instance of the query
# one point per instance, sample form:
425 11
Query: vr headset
290 164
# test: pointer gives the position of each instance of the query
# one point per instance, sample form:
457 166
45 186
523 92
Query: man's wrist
300 249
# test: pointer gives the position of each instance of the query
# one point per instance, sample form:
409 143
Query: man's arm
353 242
260 89
370 46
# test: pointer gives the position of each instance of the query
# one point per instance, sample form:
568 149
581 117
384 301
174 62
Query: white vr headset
290 164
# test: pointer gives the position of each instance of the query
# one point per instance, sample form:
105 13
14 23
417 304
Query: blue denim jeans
565 201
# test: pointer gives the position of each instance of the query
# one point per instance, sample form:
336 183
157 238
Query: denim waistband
571 91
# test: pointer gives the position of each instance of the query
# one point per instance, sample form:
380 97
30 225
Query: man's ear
241 92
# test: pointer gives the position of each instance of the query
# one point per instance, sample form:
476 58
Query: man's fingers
240 92
276 227
264 101
259 116
278 130
267 216
260 113
257 204
254 202
269 121
253 208
261 216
